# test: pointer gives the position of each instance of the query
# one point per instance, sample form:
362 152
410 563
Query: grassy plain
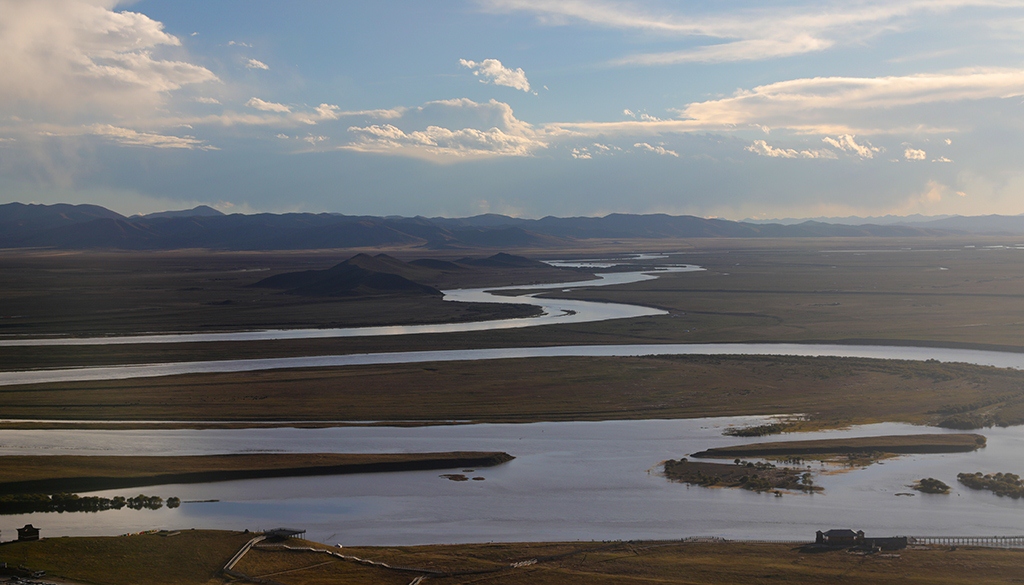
830 391
101 293
191 557
156 559
955 292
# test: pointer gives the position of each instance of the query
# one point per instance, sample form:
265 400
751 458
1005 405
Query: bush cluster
757 431
930 485
1001 484
64 502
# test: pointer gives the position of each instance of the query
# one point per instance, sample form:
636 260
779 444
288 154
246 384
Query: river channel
569 481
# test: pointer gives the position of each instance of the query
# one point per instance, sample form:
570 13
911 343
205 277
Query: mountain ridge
66 226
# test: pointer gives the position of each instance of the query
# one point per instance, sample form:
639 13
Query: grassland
156 559
191 557
879 290
72 473
830 391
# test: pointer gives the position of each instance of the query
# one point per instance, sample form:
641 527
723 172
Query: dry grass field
157 559
830 391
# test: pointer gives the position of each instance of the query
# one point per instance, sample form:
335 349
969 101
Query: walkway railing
991 541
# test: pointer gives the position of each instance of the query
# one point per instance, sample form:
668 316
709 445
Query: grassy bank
831 391
70 473
151 558
901 444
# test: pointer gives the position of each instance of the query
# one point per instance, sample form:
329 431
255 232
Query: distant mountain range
93 227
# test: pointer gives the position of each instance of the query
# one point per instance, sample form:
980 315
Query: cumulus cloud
455 129
656 149
848 143
207 100
492 71
762 148
256 64
263 106
914 154
581 154
80 58
942 159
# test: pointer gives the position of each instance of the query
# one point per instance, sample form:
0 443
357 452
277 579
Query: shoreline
75 473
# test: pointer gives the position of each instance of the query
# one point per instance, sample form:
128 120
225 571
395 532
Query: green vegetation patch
930 485
63 502
756 477
1001 484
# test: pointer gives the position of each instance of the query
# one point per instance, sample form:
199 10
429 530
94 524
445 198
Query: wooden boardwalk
991 541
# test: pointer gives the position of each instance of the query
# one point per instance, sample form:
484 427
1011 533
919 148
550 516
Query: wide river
569 481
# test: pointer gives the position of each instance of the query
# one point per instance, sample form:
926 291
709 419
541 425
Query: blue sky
522 107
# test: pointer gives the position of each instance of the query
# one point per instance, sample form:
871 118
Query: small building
886 543
839 537
29 532
846 537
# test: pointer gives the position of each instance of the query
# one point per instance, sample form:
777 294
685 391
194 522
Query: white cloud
207 100
448 130
81 59
129 137
942 159
283 136
762 148
256 64
581 154
848 143
239 44
656 149
492 71
833 105
948 141
629 112
757 33
258 104
328 112
914 154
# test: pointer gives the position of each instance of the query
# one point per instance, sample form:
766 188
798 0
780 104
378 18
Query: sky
527 108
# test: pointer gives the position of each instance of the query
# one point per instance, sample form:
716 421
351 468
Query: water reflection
570 481
970 356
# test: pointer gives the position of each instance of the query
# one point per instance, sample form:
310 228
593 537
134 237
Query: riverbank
896 444
156 559
70 473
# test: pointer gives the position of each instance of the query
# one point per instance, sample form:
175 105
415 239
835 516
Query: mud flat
73 473
899 444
